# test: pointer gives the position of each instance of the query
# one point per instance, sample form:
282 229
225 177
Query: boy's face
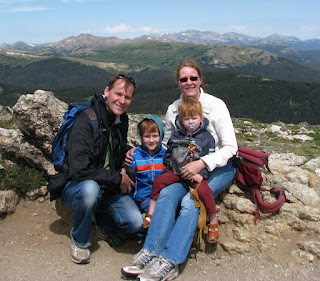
151 141
191 122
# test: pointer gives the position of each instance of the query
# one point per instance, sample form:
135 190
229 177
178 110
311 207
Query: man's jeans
116 212
172 240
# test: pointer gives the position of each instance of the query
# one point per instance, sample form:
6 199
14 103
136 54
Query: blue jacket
147 167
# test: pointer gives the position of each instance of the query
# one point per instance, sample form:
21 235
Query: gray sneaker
140 260
79 255
159 269
113 239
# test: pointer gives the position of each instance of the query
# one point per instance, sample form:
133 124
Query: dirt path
34 245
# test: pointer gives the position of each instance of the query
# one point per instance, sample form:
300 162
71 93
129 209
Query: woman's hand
192 168
128 159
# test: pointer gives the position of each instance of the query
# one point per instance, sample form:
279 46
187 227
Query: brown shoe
147 221
213 233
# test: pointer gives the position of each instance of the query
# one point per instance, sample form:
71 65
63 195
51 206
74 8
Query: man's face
119 98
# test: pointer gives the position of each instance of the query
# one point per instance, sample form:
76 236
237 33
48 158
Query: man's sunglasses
123 76
185 79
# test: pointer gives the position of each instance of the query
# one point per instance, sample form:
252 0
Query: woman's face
188 87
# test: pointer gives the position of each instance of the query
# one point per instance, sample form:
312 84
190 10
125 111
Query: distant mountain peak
190 36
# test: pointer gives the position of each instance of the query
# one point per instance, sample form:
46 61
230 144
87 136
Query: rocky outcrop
39 115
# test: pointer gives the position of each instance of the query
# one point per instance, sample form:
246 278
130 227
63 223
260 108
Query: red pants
204 191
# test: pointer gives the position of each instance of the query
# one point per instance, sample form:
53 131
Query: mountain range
190 36
271 82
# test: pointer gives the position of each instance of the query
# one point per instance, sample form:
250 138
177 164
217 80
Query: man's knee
135 222
89 193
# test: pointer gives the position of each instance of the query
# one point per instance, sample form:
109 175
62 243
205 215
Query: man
98 184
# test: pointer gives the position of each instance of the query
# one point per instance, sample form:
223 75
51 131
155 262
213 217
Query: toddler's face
151 141
192 124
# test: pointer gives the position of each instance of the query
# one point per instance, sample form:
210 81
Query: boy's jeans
117 212
172 240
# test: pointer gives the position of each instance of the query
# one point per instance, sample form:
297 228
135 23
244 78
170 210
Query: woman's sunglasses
185 79
123 76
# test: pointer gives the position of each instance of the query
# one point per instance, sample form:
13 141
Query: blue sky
44 21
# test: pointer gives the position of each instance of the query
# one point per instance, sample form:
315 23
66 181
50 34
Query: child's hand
197 178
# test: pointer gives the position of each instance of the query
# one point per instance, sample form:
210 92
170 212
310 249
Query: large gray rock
38 116
8 201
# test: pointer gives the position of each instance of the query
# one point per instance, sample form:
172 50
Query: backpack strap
268 207
93 117
258 157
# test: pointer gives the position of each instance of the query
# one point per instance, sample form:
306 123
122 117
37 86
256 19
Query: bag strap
258 157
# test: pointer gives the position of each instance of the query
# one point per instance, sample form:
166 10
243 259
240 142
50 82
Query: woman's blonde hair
190 107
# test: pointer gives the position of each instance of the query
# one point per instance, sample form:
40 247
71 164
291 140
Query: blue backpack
60 141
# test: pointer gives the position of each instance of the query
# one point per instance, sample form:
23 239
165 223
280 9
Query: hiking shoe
140 260
159 269
79 255
147 221
113 239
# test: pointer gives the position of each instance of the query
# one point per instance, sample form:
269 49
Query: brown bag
202 221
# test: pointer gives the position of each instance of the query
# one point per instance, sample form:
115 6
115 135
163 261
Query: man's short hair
129 81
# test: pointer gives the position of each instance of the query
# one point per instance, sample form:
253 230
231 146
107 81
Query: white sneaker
159 270
140 261
79 255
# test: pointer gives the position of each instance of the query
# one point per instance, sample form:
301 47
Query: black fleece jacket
86 154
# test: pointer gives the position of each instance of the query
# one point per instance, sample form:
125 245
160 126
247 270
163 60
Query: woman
168 241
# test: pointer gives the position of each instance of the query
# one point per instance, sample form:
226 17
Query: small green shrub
20 179
7 124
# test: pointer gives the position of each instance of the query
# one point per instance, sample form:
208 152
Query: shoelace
143 257
160 267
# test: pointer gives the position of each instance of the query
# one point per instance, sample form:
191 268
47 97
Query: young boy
189 142
148 159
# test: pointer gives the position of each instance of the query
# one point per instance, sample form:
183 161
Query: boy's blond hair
148 126
190 107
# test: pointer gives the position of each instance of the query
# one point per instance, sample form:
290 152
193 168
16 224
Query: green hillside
253 83
227 58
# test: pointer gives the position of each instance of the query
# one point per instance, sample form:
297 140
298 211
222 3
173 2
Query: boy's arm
167 156
197 178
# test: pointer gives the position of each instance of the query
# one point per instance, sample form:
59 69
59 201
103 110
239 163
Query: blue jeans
172 240
116 212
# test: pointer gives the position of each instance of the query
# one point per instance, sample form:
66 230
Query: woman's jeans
116 212
172 240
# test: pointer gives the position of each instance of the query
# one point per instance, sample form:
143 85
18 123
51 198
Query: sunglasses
124 76
185 79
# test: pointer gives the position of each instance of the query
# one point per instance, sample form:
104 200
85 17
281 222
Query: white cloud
8 6
307 28
237 28
24 9
78 1
15 1
123 28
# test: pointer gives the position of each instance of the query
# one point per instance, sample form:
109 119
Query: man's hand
126 182
191 169
128 159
